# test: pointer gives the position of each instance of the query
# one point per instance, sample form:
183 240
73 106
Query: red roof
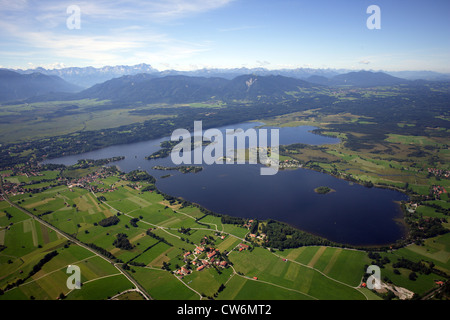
200 268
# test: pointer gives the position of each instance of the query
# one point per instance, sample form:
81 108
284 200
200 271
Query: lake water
353 214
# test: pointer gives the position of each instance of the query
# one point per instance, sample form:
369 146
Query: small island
167 147
323 190
182 169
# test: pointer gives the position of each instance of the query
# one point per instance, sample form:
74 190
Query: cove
353 215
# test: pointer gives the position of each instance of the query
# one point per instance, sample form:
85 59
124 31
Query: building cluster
290 163
261 236
19 188
243 246
439 172
201 258
13 189
411 206
94 177
437 191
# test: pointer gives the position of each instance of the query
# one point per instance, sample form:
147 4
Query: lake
353 214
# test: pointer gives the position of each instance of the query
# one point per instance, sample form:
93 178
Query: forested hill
184 89
16 86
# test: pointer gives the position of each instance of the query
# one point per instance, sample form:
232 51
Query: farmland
155 258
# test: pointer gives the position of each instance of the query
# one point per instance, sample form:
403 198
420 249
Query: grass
40 120
50 281
207 281
162 285
269 268
102 288
239 288
419 140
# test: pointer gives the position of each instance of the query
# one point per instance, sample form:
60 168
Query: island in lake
323 190
182 169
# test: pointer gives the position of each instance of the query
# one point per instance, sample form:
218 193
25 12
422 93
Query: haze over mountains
147 85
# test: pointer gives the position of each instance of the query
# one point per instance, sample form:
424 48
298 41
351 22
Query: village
205 255
440 173
437 191
12 187
90 181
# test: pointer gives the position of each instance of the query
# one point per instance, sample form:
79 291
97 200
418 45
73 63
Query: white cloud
38 29
155 10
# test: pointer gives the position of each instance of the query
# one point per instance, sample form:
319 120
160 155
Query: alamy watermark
374 20
74 19
73 281
231 149
374 280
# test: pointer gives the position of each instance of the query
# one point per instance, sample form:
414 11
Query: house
211 254
184 270
200 268
243 246
199 250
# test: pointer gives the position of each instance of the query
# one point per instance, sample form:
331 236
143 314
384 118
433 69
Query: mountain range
158 88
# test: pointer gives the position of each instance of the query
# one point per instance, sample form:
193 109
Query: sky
196 34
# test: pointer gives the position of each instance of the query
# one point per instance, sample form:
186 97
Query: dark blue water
353 214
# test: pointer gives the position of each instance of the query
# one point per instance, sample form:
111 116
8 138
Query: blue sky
195 34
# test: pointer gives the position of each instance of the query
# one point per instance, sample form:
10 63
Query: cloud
112 32
154 11
364 62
